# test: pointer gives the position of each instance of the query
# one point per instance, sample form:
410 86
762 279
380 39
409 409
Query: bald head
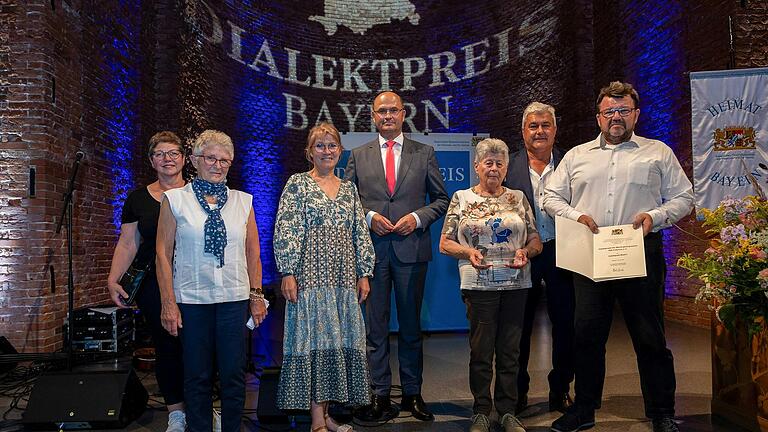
386 96
388 114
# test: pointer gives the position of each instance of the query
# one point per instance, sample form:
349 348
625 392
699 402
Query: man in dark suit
529 170
395 176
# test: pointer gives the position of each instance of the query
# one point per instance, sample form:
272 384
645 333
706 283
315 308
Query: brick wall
27 223
70 85
102 76
655 48
750 27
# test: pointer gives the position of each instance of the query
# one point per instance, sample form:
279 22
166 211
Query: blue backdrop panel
443 309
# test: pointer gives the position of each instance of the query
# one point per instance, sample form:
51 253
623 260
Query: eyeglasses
172 154
622 112
332 147
384 111
211 161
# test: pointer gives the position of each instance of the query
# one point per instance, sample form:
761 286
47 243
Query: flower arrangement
734 269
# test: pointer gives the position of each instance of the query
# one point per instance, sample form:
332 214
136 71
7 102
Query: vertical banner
729 128
443 309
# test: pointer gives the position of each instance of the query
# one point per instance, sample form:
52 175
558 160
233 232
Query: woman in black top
137 240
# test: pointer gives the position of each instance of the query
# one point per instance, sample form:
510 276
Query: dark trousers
214 331
560 309
641 301
169 367
495 325
408 283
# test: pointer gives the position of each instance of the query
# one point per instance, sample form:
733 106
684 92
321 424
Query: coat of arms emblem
734 138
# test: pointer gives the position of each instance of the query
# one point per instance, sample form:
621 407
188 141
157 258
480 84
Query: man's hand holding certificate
615 252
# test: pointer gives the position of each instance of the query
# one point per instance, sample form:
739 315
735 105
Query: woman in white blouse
209 273
491 231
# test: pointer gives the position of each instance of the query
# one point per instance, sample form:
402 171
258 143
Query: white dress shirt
614 183
544 222
398 150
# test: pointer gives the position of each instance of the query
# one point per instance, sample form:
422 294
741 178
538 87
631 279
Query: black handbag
133 279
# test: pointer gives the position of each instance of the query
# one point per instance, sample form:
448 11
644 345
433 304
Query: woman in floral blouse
323 249
491 231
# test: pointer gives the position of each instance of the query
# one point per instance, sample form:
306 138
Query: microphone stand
67 211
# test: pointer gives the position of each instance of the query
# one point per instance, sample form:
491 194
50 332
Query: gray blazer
418 178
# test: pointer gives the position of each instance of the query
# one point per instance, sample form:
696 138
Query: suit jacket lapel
523 170
557 155
374 153
405 162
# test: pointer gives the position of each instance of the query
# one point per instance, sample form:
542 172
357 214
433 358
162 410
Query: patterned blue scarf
215 230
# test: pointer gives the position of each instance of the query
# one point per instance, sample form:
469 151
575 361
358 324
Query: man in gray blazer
394 177
529 170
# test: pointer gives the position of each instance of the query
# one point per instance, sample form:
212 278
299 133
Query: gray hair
539 108
212 137
491 146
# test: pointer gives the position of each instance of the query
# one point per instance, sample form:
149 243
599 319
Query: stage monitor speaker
267 410
8 350
85 400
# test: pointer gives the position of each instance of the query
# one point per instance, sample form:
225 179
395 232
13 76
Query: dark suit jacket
518 176
418 178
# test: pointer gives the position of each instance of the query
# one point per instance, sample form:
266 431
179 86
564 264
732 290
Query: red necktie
390 166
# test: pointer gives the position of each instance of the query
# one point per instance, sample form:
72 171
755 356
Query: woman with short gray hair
209 272
491 230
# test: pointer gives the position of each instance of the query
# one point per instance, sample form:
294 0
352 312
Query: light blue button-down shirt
544 222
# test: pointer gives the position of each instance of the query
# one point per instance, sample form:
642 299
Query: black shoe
418 408
559 401
574 420
665 424
376 411
522 404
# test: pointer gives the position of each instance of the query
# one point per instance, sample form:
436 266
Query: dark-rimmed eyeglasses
392 111
211 161
172 154
622 112
332 147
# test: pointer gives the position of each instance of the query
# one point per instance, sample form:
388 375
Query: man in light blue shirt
529 170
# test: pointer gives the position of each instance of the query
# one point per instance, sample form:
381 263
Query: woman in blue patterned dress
324 252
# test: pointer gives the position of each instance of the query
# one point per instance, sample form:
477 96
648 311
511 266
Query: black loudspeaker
82 400
6 349
267 410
